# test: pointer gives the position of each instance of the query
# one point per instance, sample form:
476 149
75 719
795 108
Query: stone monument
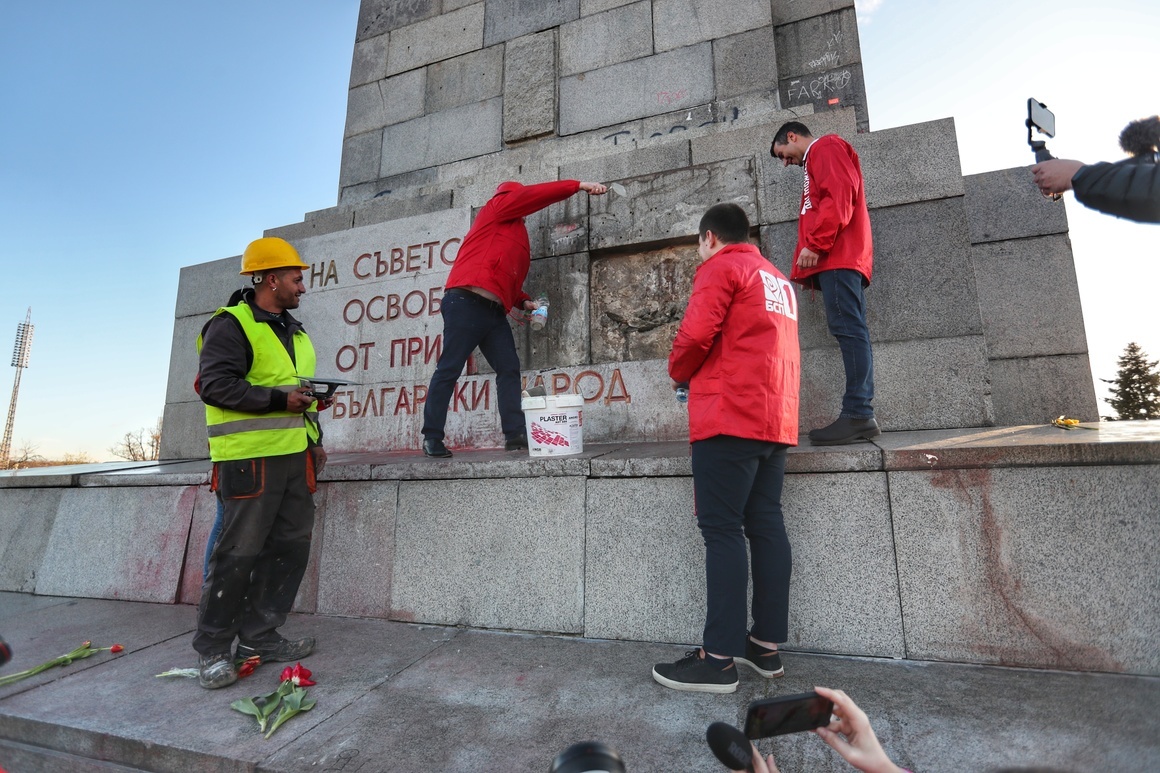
678 101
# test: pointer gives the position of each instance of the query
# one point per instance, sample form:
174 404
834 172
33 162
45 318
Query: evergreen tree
1136 390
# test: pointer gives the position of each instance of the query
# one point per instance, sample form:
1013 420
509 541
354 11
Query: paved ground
399 697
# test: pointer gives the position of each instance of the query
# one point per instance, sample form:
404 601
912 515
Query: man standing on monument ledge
835 253
265 443
486 281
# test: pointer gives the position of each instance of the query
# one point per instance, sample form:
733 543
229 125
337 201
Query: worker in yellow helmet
266 446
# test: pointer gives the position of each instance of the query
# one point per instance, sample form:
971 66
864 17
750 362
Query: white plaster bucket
554 424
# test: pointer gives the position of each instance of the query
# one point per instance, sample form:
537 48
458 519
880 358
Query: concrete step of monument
403 697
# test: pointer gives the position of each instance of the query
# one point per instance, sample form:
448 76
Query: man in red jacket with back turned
835 253
737 349
487 280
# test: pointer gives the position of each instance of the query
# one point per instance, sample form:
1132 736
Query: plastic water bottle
683 393
540 313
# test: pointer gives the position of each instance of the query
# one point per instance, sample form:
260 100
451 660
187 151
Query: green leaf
247 706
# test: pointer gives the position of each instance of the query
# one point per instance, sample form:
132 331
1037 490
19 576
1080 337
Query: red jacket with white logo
737 348
495 254
834 221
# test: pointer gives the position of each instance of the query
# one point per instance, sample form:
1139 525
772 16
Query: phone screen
788 714
1041 118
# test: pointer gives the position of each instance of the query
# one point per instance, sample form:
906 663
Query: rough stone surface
1050 568
589 7
840 87
910 163
1005 204
923 285
184 436
845 515
745 62
327 221
638 301
1030 298
437 38
206 286
924 384
928 716
193 571
629 163
819 44
1032 390
387 208
603 39
437 138
669 206
507 19
657 84
364 109
183 356
358 549
679 23
645 574
529 76
26 521
403 96
559 229
453 568
1041 445
472 77
796 10
564 340
370 60
378 16
118 543
361 159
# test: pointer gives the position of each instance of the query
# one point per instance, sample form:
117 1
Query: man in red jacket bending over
835 254
487 280
737 349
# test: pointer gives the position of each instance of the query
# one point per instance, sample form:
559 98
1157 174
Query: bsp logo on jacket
779 297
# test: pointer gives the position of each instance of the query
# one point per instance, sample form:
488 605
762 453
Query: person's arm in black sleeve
1129 189
226 357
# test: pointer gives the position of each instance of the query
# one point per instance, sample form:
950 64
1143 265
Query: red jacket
495 254
737 348
834 221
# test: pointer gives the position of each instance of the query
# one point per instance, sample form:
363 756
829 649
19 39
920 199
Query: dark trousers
845 302
737 496
260 555
471 321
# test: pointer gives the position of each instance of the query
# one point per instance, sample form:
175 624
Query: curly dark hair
1141 138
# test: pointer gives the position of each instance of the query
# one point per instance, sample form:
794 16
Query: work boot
217 670
845 430
433 446
283 650
517 443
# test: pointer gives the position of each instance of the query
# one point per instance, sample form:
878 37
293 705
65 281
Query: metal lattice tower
20 362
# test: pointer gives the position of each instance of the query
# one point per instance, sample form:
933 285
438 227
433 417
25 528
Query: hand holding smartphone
787 714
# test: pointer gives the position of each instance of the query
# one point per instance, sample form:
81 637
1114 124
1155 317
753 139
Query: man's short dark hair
782 136
728 221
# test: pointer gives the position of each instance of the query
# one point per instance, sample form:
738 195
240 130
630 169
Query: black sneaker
693 674
845 431
517 443
763 661
282 650
217 670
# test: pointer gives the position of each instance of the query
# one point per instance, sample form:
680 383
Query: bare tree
24 456
144 445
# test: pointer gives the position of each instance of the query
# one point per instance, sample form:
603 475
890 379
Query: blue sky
140 137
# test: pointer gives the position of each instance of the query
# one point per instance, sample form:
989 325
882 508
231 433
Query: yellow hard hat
270 252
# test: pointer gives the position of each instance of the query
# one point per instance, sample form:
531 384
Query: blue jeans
846 316
737 494
471 321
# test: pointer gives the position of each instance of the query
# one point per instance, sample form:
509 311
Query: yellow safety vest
241 435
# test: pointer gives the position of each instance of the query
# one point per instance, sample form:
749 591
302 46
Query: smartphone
1040 117
787 714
